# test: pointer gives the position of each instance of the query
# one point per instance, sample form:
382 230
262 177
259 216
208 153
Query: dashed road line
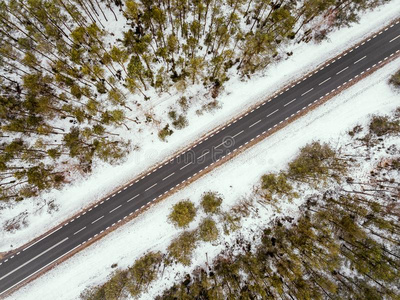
169 176
37 271
42 238
326 80
394 38
83 228
203 154
238 133
114 209
98 219
133 198
32 259
186 165
272 113
290 102
255 123
360 59
342 71
214 147
307 92
152 186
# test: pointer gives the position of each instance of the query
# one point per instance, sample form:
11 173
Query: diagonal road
67 237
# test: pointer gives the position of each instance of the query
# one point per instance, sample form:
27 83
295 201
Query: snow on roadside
237 97
151 231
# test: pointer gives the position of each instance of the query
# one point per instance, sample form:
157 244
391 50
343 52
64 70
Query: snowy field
151 231
238 96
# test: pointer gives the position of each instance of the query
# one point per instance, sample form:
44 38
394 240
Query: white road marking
360 59
307 92
32 259
254 123
203 154
272 113
191 162
150 187
80 230
133 198
238 133
169 175
290 102
98 219
42 238
214 147
394 38
115 208
37 271
325 81
342 71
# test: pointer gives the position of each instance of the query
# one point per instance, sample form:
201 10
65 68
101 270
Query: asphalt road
32 259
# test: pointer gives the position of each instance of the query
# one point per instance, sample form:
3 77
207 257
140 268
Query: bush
165 132
172 114
181 248
381 125
230 222
144 271
211 202
180 122
395 79
316 162
114 287
208 230
183 102
182 213
355 130
277 184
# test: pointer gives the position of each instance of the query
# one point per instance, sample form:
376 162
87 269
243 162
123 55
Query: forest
74 72
344 242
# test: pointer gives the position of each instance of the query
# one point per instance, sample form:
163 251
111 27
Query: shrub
172 114
182 213
208 230
165 132
180 123
183 102
395 79
277 184
144 271
316 162
211 202
181 248
355 130
230 222
381 125
114 287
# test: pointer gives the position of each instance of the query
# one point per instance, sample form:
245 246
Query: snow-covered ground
237 97
151 230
